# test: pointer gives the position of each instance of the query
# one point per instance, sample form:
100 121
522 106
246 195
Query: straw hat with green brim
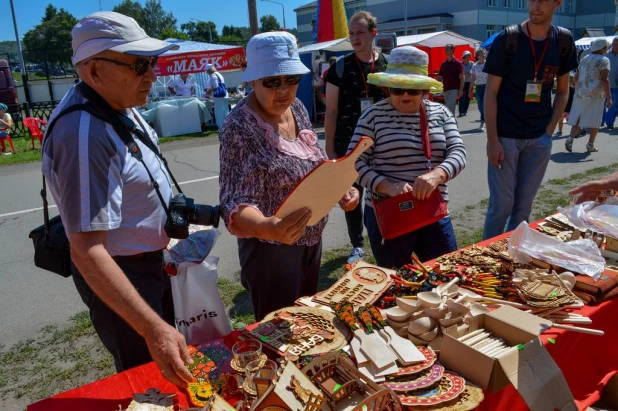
407 69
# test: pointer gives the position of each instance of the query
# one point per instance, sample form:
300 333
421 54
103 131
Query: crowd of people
115 221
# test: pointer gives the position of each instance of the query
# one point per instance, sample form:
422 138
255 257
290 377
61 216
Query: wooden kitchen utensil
324 186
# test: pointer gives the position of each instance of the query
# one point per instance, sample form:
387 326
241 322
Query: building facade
477 19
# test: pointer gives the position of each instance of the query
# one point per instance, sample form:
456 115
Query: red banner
196 61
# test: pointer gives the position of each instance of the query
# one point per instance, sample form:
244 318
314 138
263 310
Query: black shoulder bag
52 251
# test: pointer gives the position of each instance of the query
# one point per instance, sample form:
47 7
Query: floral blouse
259 168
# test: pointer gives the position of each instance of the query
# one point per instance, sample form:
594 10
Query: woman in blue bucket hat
267 146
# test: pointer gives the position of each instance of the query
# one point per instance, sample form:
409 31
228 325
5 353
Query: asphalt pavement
31 298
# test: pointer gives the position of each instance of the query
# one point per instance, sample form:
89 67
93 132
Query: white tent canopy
332 45
437 39
584 42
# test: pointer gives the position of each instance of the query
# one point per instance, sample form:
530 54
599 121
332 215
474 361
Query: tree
269 22
156 19
231 31
132 9
204 31
173 33
233 40
51 38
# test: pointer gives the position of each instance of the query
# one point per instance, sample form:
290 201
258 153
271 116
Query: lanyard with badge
534 88
366 102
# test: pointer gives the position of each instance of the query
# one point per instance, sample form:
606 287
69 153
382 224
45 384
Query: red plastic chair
8 138
33 125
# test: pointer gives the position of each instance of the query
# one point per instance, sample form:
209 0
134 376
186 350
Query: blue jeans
428 242
512 189
609 116
480 98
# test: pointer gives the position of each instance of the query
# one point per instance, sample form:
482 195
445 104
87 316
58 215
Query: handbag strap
425 134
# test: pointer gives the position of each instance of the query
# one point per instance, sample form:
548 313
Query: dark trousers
353 218
128 348
464 100
277 275
428 242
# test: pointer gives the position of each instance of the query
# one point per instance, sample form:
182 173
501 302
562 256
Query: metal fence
49 75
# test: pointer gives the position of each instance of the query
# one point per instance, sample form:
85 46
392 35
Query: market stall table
587 362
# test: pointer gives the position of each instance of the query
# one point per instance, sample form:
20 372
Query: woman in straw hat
267 146
396 163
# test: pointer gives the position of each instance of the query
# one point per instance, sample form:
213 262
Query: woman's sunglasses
401 91
140 68
275 82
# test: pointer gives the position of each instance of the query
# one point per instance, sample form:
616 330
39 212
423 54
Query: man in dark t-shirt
519 114
347 95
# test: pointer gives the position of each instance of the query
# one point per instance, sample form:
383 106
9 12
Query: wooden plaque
363 284
323 187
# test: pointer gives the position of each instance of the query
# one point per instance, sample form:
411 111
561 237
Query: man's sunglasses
275 82
401 91
140 68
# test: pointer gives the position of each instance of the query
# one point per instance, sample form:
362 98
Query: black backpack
565 40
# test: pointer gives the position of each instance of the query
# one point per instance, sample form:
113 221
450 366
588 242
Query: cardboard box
527 364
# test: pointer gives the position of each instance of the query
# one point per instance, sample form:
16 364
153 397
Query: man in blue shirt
610 114
519 113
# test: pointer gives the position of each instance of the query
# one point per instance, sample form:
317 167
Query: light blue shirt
613 69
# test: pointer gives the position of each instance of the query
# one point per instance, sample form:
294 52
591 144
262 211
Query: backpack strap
565 41
512 36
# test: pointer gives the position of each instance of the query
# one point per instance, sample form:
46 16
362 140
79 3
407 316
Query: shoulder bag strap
48 130
425 134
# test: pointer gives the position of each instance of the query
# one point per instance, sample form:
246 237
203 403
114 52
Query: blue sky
222 12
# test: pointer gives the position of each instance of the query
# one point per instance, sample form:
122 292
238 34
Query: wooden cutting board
322 188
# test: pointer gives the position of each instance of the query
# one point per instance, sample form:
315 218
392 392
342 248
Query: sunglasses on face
140 68
401 91
275 82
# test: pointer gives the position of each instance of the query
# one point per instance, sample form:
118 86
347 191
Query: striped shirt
397 152
99 186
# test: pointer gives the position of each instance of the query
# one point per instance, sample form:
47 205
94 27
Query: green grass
23 151
25 154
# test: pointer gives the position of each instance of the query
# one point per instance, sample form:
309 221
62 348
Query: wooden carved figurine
301 394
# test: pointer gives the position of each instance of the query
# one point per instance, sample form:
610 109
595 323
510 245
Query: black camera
184 211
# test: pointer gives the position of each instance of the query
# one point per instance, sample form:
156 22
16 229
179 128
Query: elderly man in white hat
113 216
592 92
405 160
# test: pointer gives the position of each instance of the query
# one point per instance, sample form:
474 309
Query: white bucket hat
407 68
272 54
107 30
598 44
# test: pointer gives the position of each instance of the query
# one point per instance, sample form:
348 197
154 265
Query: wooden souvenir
430 359
451 386
152 400
296 331
418 381
324 186
468 400
346 388
291 390
214 403
363 284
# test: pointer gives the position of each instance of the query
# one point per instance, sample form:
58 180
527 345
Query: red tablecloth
587 362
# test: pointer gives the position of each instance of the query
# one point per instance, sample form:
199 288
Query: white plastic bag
200 314
590 215
582 256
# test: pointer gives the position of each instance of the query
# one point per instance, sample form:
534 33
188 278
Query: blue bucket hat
272 54
3 107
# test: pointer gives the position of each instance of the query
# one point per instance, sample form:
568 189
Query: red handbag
403 214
